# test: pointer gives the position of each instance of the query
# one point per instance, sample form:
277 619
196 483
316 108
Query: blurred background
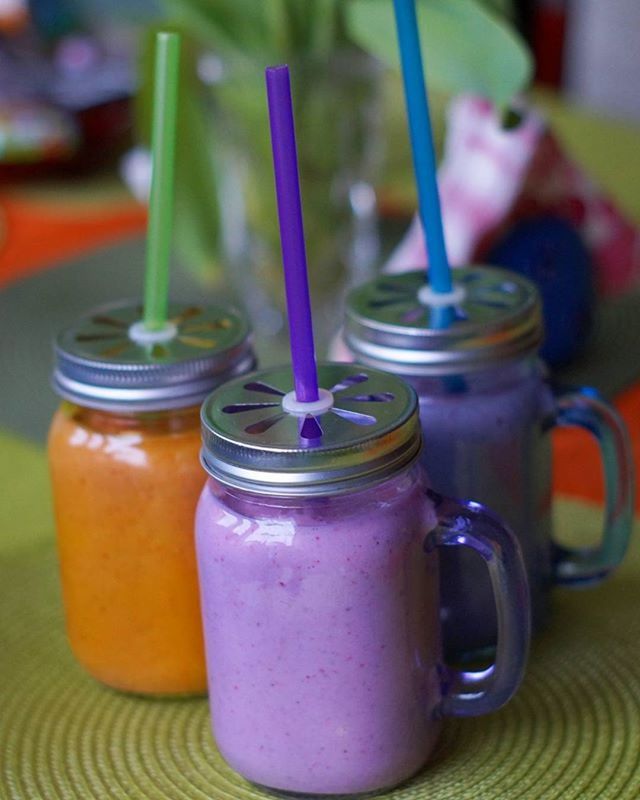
546 87
537 119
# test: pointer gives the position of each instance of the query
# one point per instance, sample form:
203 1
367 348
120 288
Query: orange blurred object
576 469
126 488
14 16
39 234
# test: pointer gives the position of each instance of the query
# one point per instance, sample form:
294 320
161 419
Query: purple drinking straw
294 257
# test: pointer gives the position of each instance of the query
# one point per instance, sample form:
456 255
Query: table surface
573 731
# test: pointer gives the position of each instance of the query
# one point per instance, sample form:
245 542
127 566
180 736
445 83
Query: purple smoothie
484 409
322 634
320 588
489 442
486 438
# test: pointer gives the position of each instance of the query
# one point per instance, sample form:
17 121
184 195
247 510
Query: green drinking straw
163 140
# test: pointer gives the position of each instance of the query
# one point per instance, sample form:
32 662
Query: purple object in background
486 410
294 257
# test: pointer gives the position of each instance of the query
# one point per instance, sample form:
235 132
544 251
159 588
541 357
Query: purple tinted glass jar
316 543
486 411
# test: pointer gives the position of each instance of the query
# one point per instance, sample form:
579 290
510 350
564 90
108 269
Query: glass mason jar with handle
123 454
317 540
487 410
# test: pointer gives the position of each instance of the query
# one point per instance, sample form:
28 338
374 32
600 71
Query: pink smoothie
322 635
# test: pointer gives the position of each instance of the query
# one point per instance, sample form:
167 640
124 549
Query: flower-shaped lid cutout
495 314
100 362
365 424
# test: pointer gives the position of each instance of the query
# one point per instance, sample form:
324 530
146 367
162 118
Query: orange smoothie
126 488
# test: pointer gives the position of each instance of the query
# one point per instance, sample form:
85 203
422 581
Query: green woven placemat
25 496
572 733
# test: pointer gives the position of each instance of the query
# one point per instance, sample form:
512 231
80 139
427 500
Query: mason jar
487 408
316 541
123 454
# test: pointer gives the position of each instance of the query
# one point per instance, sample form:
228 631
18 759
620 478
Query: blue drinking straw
424 160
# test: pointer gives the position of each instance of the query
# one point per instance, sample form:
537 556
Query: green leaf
263 32
240 27
501 7
197 211
465 47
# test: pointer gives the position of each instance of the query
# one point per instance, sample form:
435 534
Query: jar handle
469 524
583 408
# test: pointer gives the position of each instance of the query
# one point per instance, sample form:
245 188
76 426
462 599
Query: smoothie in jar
124 461
316 536
125 489
329 681
490 441
486 409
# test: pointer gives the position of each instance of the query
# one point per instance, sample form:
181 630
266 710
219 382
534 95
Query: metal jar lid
396 323
107 361
363 430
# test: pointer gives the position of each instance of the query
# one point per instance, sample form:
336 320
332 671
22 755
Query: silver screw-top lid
107 360
257 437
397 323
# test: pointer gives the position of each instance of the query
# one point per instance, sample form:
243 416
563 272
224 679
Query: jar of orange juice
124 459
